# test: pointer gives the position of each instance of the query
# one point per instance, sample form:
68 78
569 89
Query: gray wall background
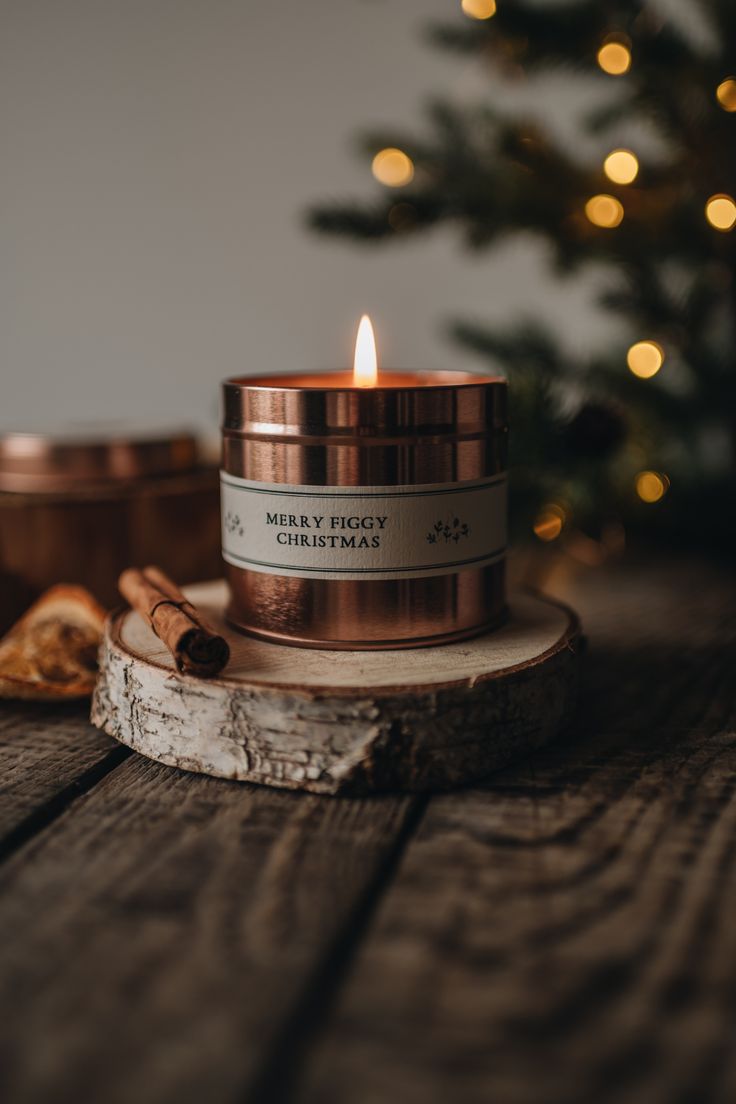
157 157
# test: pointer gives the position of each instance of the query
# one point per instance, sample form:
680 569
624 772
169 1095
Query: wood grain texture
562 935
566 933
45 750
156 941
343 722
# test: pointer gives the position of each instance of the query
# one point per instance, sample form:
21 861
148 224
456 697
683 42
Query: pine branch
526 347
672 274
567 34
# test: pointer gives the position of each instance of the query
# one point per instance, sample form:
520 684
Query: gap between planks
50 810
50 756
276 1080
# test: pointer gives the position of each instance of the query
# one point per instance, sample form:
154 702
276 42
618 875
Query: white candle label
363 532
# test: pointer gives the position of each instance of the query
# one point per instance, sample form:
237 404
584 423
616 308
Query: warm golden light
726 94
393 168
549 523
365 365
651 486
614 58
479 9
645 358
604 210
621 166
720 211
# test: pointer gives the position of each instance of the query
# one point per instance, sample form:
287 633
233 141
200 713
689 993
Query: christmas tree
642 433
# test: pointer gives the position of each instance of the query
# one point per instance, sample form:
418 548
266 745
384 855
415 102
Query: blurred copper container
81 506
358 518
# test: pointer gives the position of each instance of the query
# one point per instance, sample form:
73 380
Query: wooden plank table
564 933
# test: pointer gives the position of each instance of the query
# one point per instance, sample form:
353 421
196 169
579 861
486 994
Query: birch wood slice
343 722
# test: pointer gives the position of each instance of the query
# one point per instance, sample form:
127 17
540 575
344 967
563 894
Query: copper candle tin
79 506
363 518
45 463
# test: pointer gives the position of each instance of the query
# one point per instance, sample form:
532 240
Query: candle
365 509
365 361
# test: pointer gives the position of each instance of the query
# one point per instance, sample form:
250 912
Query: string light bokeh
393 167
614 57
651 485
479 9
549 522
726 94
645 358
720 211
621 166
605 211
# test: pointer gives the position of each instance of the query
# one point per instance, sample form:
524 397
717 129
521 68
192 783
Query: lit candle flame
365 365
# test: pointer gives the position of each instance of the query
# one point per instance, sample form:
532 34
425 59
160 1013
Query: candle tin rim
461 404
46 462
451 379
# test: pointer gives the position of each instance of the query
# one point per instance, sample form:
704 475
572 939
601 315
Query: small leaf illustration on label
448 530
232 524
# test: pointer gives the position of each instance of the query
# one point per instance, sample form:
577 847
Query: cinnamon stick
196 647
